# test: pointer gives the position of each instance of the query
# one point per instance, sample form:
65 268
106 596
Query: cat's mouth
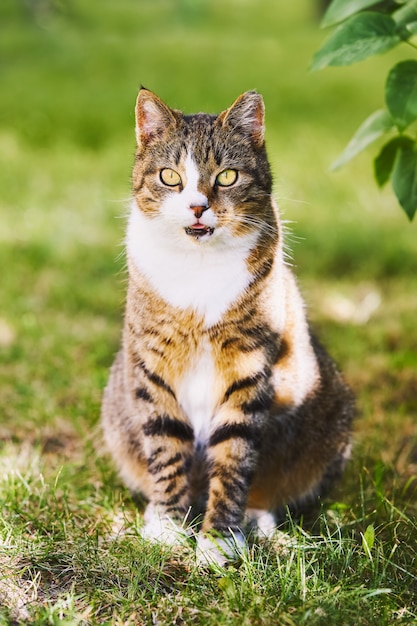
199 230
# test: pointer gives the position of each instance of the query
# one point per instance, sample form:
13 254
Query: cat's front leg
232 456
167 444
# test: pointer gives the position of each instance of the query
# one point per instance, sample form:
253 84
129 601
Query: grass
66 563
70 551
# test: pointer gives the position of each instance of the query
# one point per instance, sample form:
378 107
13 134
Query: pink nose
199 210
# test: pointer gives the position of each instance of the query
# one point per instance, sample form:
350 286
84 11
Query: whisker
294 200
254 221
288 235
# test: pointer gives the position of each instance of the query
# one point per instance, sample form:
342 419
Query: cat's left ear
247 114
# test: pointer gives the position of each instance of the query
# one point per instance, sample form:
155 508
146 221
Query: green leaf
401 93
356 39
384 162
404 179
406 14
376 125
339 10
368 540
411 27
228 587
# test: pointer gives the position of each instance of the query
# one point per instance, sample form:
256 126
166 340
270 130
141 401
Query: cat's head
203 177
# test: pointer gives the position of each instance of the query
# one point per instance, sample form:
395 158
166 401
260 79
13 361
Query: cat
220 393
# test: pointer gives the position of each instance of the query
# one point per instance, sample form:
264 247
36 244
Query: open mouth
198 230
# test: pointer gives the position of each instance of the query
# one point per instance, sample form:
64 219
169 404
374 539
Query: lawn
70 549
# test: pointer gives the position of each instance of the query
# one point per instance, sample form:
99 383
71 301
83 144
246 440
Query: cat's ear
247 114
153 117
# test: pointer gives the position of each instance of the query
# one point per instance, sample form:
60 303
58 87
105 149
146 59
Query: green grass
70 550
66 564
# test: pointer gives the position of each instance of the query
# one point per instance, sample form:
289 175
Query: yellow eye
170 177
226 178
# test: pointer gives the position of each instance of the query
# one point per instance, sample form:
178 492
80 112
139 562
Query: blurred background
69 74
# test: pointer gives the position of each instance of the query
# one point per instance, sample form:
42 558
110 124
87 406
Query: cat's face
202 178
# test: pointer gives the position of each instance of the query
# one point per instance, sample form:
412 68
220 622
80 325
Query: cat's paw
162 528
261 523
220 551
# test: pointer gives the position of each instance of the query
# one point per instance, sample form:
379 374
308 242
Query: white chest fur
207 277
197 393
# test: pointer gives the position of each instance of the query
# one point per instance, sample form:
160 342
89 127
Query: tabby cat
219 394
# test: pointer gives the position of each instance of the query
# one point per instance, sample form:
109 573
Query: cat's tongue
198 230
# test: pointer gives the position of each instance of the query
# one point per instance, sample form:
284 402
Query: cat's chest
207 278
196 392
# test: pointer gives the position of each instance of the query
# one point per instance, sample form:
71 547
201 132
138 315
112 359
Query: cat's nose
199 209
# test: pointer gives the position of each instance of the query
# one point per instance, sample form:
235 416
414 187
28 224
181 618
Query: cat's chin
200 233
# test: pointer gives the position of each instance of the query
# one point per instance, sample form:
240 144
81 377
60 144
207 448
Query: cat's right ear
153 117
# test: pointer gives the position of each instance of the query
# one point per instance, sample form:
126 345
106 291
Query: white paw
162 528
220 551
261 522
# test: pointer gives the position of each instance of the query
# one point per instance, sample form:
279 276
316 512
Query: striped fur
219 391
